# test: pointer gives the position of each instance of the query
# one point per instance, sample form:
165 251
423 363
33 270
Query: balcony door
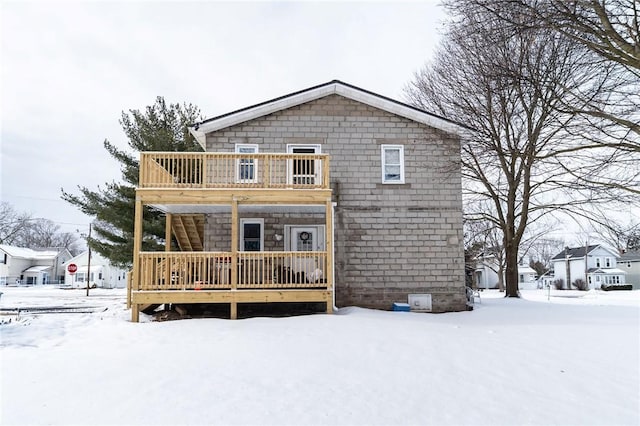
303 171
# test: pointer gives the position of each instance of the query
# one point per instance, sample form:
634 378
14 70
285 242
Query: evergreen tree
160 127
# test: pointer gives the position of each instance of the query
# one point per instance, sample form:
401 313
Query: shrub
559 284
581 284
611 287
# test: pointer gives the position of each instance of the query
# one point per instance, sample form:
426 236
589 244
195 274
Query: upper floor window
392 163
598 262
607 262
246 167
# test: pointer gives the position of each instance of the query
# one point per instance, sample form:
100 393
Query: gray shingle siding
390 240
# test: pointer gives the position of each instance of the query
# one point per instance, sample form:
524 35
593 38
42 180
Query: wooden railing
213 270
230 170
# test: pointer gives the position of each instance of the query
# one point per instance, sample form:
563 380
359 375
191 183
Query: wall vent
420 302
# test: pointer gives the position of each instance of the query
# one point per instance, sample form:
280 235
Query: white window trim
382 161
259 221
316 146
317 150
607 262
256 149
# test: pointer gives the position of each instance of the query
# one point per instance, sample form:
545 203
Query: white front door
306 239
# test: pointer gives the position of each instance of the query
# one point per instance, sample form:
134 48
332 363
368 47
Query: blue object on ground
401 307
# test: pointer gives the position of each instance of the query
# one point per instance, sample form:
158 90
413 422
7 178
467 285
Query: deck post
329 249
168 226
167 231
135 312
234 255
137 248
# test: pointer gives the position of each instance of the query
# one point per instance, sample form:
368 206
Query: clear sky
70 68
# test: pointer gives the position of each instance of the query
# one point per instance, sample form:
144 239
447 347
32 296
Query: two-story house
332 194
630 263
26 266
99 272
600 267
487 273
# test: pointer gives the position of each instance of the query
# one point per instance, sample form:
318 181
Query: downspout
333 252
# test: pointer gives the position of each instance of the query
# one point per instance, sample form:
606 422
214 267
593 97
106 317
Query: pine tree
160 127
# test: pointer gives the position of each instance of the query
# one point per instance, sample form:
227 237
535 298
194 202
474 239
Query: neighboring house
487 274
600 268
25 266
630 263
546 280
102 273
329 188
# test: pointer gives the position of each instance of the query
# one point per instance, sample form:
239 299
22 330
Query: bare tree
488 239
618 235
23 230
611 31
513 88
12 224
545 249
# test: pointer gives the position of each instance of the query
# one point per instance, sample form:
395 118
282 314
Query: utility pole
586 264
89 261
568 267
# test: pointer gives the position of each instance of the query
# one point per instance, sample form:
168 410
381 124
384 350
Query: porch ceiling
242 208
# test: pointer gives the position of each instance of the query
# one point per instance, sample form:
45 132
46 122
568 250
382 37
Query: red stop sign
72 268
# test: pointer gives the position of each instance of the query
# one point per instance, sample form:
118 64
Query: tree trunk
511 273
501 279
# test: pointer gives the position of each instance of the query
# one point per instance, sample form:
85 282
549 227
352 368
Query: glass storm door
307 239
304 239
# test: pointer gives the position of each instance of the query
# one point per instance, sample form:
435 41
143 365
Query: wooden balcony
206 170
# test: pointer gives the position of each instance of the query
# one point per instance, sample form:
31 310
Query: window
251 234
597 262
392 163
628 264
247 167
607 262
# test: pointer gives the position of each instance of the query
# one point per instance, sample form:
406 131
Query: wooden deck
168 180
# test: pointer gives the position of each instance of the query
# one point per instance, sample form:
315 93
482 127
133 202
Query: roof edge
200 129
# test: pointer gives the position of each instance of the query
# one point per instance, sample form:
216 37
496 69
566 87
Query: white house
487 274
630 263
24 266
102 273
600 268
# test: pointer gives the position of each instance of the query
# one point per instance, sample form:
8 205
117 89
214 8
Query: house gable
335 87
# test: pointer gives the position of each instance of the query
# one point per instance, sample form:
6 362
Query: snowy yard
563 361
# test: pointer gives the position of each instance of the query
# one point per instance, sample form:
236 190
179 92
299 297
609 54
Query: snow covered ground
570 360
